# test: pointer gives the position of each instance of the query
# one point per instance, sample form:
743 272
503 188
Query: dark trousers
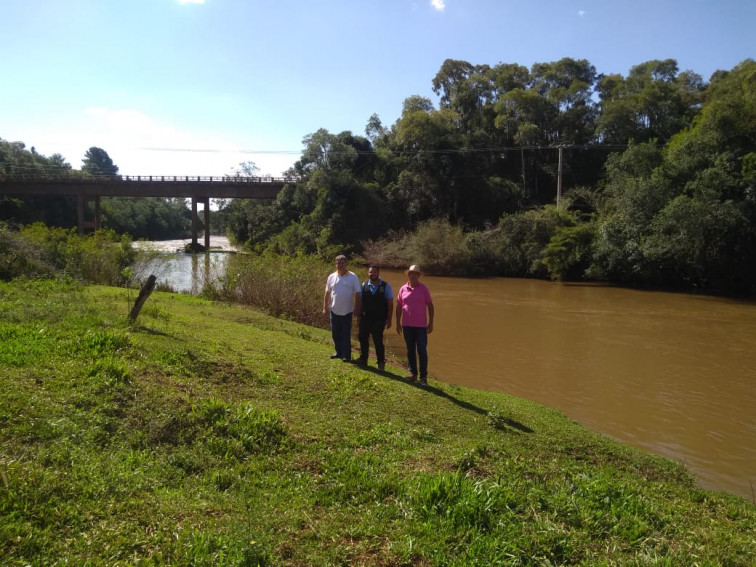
341 331
416 339
372 327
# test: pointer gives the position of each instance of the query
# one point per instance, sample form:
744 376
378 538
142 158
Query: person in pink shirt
412 303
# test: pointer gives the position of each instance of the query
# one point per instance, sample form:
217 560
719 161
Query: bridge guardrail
34 177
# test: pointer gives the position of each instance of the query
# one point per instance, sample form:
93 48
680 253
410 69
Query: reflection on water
670 373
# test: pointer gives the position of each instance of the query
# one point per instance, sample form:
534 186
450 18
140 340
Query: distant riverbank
217 244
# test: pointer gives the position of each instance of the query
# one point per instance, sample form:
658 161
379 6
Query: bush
524 236
437 245
283 286
567 256
537 243
40 251
19 257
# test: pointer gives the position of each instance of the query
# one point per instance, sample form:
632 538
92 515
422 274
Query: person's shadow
497 420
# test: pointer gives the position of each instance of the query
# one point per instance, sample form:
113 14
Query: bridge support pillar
207 223
196 221
81 213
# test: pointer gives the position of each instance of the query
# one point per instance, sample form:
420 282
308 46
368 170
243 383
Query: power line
370 152
36 166
218 151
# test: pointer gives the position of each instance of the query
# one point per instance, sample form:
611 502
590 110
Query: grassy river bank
210 434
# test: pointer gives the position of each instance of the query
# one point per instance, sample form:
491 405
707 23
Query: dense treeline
658 173
52 210
150 218
657 176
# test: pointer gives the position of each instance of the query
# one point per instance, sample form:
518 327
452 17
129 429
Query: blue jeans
416 339
372 327
341 331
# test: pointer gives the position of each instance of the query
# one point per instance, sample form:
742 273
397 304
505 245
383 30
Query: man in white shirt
342 300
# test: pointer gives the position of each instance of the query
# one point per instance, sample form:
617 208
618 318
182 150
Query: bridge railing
49 178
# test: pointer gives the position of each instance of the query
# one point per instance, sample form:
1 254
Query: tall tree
567 85
469 91
97 162
653 102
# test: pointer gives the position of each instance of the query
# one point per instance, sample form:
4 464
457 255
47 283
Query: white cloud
439 5
581 13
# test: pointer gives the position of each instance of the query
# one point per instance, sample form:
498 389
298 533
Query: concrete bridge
91 188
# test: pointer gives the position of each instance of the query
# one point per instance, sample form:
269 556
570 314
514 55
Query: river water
185 273
674 374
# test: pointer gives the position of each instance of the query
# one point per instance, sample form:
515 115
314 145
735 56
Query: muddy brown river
674 374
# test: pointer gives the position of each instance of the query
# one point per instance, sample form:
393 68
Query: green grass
208 434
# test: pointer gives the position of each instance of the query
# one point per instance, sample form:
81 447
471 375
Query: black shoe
423 381
335 355
346 359
381 366
362 361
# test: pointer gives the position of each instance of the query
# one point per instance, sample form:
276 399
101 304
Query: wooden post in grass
144 293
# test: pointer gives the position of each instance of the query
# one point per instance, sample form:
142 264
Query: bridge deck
91 188
146 186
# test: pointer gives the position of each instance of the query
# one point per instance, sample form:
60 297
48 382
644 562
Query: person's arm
358 304
390 312
326 300
357 297
431 313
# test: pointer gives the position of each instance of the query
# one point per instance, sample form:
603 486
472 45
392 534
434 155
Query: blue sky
192 87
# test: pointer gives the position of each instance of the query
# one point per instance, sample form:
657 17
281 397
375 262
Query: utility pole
559 177
560 146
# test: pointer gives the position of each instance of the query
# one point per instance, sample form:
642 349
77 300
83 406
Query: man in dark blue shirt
377 300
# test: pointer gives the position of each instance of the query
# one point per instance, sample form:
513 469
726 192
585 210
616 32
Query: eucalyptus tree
486 171
567 86
246 169
546 107
508 78
57 163
655 101
468 90
374 129
426 146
